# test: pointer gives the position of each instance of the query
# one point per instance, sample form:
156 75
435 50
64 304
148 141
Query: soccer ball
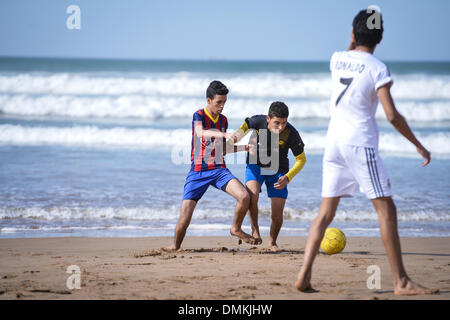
333 241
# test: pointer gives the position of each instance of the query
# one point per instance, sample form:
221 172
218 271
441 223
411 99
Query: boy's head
363 35
216 96
277 117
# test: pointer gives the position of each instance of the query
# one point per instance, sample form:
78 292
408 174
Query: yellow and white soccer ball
333 241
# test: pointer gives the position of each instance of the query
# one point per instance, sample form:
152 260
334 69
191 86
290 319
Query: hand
231 135
424 153
282 182
251 148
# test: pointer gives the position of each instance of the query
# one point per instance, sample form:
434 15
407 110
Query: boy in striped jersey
208 147
351 154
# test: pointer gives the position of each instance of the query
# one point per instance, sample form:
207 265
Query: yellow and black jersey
289 138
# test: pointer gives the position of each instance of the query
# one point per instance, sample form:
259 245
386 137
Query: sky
279 30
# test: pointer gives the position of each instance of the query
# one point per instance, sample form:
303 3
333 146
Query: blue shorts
197 182
253 172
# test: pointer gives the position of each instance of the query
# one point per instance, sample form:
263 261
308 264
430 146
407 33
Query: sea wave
156 107
185 84
180 139
172 214
91 136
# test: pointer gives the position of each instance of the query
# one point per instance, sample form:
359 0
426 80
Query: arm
298 166
208 134
235 137
213 133
399 122
239 134
233 149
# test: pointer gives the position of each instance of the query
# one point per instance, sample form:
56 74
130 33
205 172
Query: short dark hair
278 109
363 35
216 87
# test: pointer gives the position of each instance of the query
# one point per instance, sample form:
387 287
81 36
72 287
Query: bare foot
242 235
303 283
273 247
257 237
171 248
411 288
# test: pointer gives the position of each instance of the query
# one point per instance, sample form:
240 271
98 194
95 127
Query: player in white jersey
351 155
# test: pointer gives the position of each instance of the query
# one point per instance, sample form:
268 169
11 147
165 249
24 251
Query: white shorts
345 166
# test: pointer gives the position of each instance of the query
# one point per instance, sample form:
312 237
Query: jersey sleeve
197 117
382 77
225 123
250 122
300 161
243 128
296 144
256 122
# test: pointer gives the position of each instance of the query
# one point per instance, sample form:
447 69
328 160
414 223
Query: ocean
101 148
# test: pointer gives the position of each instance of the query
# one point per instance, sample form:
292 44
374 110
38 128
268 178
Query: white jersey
355 76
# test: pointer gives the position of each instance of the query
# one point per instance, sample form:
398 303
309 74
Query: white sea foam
148 138
174 84
137 214
93 136
194 84
155 107
172 214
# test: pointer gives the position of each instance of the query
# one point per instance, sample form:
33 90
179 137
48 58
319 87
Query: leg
187 209
277 221
316 231
253 188
387 216
238 191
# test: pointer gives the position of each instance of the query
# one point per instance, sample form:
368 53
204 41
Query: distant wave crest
418 97
147 138
172 213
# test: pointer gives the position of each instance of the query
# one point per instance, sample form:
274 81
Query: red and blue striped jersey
207 154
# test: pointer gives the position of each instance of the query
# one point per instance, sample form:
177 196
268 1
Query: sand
209 268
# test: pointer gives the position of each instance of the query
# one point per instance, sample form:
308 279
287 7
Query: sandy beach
209 268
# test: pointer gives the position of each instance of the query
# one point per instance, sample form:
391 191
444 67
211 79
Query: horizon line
195 59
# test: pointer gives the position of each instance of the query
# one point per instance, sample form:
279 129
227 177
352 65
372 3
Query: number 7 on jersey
345 81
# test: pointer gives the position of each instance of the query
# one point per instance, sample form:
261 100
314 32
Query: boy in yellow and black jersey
273 136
